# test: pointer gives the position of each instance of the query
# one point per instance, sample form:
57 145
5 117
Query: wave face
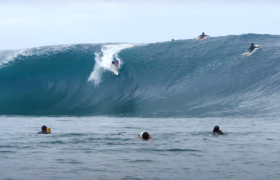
184 78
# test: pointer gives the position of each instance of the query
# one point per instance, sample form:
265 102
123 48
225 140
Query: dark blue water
108 148
184 78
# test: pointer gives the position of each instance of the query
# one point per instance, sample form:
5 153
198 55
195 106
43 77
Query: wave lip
10 55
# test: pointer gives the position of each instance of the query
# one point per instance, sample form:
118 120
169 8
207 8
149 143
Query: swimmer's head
44 128
252 44
145 135
203 33
216 128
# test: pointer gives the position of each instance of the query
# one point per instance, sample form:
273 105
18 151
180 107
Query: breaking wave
184 78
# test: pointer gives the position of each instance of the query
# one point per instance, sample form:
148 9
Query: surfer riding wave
115 62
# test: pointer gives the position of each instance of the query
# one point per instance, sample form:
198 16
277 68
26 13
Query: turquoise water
108 148
184 78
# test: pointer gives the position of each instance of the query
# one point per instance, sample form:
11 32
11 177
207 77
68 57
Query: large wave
184 78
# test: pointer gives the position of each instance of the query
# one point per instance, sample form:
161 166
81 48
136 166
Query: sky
33 23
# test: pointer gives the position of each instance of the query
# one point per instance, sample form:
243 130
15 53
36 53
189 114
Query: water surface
108 148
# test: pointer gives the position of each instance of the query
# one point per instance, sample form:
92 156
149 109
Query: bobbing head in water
145 136
217 130
45 130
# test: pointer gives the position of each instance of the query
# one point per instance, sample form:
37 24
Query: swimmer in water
145 136
217 130
45 130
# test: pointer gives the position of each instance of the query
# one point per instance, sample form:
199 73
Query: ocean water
108 148
177 91
184 78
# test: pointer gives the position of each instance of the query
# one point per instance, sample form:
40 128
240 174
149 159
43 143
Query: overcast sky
33 23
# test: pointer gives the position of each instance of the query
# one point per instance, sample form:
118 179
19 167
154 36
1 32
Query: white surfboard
115 69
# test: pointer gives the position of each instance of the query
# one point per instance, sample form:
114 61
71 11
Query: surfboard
200 39
115 69
249 53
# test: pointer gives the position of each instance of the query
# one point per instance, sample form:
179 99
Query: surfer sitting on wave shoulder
45 130
145 136
202 36
116 62
217 130
252 47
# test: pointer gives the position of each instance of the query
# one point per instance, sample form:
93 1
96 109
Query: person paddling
217 130
252 47
145 136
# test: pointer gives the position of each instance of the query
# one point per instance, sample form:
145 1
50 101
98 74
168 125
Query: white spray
109 52
10 55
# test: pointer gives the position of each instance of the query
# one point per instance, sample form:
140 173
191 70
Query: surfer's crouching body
116 62
145 136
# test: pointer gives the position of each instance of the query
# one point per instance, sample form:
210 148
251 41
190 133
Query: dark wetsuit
252 47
